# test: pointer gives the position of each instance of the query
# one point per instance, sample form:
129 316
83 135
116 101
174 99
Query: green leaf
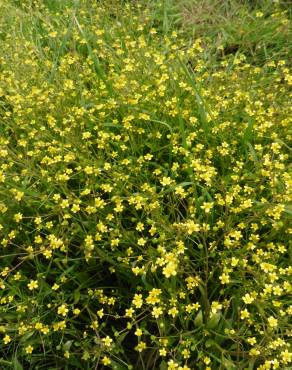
228 364
121 338
4 362
288 210
214 320
247 136
209 343
26 336
199 319
82 277
253 152
67 345
76 296
163 365
16 364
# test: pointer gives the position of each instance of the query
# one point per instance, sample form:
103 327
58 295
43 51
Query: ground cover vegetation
145 184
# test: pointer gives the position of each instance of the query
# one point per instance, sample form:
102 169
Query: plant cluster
144 193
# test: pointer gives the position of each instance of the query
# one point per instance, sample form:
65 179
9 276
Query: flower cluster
144 194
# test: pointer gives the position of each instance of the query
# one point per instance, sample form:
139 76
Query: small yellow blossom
216 306
63 310
141 346
138 300
107 341
170 269
33 284
138 332
207 206
7 339
28 349
106 361
272 321
244 314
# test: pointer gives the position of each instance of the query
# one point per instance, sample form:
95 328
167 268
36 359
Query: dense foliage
144 188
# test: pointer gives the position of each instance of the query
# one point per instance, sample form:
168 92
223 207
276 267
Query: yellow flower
19 195
216 306
254 352
248 299
53 34
162 352
207 360
153 296
63 310
138 300
106 361
141 241
75 208
171 365
272 322
38 325
76 311
107 341
173 311
166 181
138 332
170 269
186 353
192 307
33 284
207 206
28 349
45 330
156 312
244 314
129 312
224 278
141 346
18 217
286 356
251 340
6 339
